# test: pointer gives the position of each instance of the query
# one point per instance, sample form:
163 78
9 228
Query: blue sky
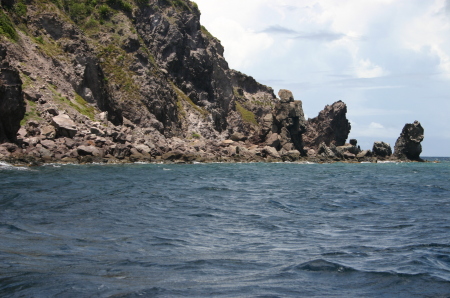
388 60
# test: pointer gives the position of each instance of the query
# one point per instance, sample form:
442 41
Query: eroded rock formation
408 144
330 127
284 127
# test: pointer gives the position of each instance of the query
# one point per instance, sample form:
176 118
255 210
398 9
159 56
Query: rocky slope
142 80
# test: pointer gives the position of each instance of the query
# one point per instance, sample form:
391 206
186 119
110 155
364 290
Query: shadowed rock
12 106
408 143
381 149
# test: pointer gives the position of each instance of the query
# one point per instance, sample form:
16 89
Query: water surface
226 230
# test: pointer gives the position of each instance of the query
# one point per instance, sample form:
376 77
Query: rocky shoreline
148 83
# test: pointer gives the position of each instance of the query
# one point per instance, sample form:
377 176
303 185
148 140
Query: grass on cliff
79 104
246 115
116 64
31 113
182 96
7 27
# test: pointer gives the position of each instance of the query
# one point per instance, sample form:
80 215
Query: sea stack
408 144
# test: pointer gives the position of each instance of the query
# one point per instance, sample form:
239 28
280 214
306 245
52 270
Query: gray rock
273 140
48 131
238 137
65 127
88 150
271 152
364 153
325 151
382 149
330 126
285 96
48 144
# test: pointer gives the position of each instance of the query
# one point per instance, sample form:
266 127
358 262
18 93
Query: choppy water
226 230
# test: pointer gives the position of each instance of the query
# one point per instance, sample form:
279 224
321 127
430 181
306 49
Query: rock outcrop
330 127
12 106
283 128
408 144
381 149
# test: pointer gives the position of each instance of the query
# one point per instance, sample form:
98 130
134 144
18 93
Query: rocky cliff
128 80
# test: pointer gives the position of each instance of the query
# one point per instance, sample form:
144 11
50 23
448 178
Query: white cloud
240 43
375 125
373 130
367 69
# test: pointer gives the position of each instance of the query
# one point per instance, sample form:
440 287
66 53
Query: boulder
273 140
381 149
325 151
271 152
238 137
88 151
48 131
408 143
364 153
285 96
65 127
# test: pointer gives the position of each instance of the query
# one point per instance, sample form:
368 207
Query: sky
388 60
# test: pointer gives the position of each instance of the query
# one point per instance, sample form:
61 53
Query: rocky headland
117 81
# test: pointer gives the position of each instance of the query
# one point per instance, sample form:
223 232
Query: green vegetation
246 115
236 93
121 5
82 106
207 33
117 64
31 113
183 96
196 135
7 28
178 4
20 9
40 40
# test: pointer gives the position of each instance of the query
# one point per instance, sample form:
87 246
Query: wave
321 265
7 166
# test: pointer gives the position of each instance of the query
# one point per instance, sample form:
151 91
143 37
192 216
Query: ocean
226 230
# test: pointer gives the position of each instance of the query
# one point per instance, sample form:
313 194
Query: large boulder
381 149
65 127
12 105
330 127
408 143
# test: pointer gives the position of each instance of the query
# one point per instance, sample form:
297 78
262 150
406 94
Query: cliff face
12 107
146 66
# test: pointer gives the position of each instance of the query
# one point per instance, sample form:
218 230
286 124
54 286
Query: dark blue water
226 230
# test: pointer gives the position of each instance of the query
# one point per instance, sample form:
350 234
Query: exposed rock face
382 149
284 128
12 106
330 127
408 143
